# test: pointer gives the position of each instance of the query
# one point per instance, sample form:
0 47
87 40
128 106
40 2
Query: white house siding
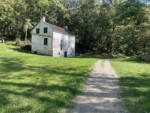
54 41
71 50
39 47
38 39
56 44
57 37
42 25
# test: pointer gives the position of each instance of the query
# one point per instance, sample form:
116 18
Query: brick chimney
66 28
43 19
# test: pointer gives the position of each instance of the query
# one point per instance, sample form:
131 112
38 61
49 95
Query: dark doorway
65 54
35 52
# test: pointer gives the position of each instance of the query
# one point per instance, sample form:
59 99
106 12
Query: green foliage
101 26
27 24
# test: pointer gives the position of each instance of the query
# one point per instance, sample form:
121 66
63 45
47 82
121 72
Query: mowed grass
135 83
34 83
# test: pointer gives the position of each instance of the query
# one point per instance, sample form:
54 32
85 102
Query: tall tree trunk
26 35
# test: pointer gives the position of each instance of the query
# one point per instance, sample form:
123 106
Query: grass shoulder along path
134 77
33 83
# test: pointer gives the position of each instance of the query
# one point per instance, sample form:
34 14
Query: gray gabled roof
59 29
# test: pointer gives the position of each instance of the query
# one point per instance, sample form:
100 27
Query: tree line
100 26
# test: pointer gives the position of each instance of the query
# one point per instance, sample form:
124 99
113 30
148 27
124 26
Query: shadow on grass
20 110
93 56
71 79
136 92
11 65
3 98
21 50
87 55
133 59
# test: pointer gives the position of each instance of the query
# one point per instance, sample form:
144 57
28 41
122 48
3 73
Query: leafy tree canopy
101 26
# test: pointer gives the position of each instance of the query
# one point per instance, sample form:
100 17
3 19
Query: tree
27 26
100 26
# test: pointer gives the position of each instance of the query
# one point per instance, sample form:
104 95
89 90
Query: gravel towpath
101 93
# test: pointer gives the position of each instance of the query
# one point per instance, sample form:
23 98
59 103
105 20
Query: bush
27 42
22 43
146 57
18 43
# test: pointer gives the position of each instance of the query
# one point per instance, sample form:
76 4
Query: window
38 30
45 41
61 45
45 30
58 52
69 43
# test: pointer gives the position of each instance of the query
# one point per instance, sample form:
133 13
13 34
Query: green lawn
33 83
135 83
